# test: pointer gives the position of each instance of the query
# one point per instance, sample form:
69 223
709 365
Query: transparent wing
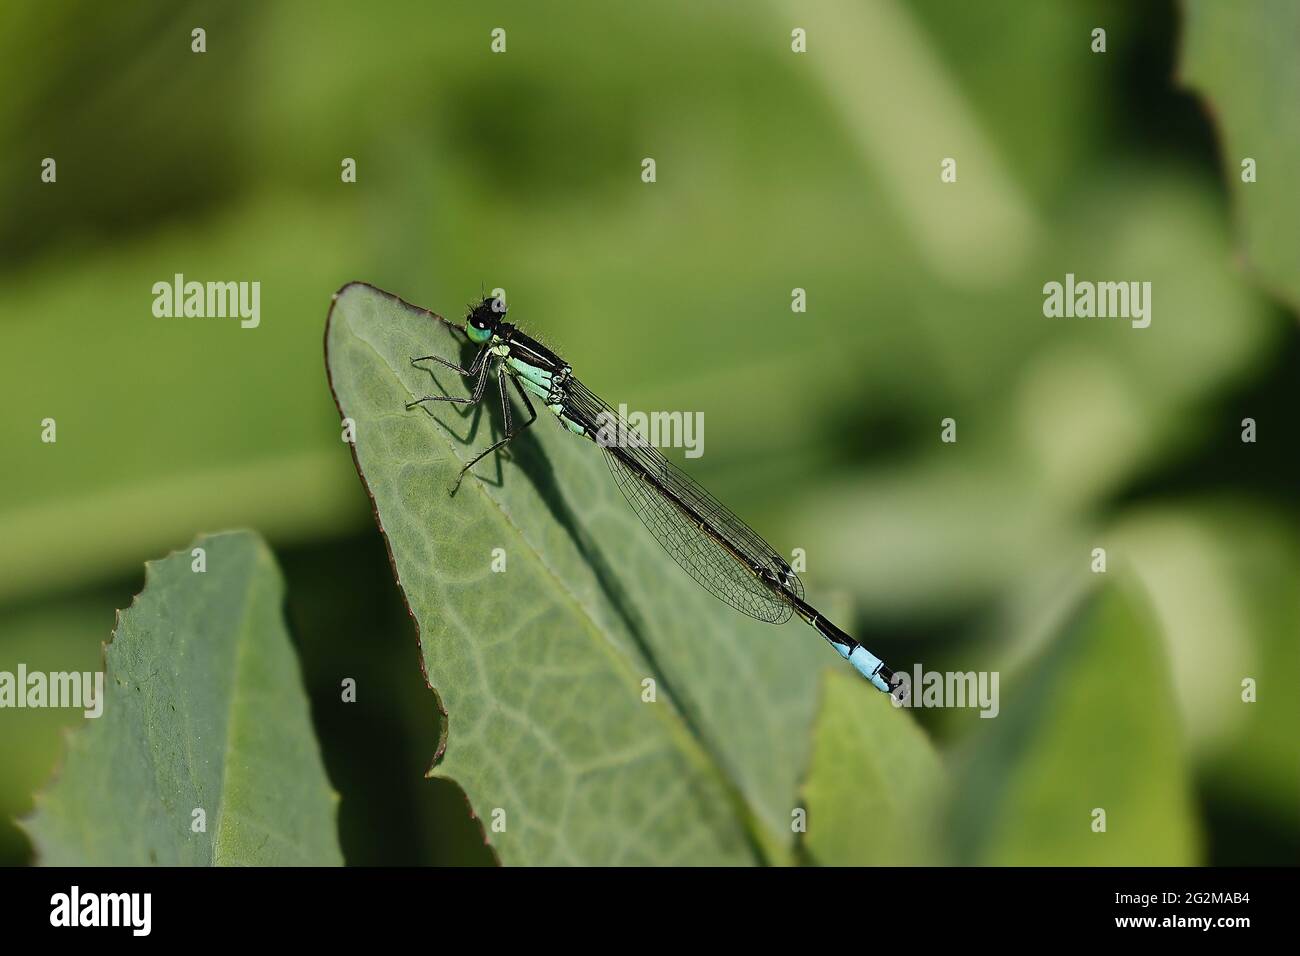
641 471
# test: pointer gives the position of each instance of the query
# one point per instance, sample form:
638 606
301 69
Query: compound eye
480 323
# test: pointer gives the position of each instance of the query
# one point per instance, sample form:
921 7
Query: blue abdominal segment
865 663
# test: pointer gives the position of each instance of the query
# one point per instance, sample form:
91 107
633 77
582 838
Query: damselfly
715 547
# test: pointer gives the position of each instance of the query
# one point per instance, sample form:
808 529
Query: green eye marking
476 335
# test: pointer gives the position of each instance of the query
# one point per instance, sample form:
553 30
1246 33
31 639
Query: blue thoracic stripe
532 373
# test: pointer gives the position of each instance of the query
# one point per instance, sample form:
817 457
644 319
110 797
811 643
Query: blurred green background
774 171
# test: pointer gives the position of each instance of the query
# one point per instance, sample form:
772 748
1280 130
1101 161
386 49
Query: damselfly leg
466 372
510 430
478 367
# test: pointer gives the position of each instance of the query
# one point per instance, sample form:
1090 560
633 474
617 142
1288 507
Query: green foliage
203 709
1242 61
68 637
875 782
1222 578
776 171
541 666
1030 781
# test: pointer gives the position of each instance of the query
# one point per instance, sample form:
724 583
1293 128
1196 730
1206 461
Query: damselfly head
483 319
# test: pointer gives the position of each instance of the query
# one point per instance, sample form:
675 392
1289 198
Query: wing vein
729 573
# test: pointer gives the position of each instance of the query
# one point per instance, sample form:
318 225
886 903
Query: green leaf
1093 724
1222 576
542 667
871 792
1241 58
203 709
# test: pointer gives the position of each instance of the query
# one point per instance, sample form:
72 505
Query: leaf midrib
236 693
